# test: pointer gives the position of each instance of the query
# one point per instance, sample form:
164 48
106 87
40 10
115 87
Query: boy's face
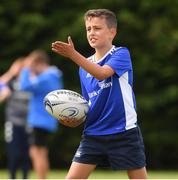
98 33
35 66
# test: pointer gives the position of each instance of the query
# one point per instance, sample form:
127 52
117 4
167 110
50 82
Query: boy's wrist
73 54
10 75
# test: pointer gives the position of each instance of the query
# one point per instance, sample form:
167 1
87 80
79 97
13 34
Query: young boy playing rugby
111 134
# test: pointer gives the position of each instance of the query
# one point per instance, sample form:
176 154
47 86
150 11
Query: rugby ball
69 107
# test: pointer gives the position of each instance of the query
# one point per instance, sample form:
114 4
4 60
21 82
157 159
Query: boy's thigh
126 150
80 171
137 173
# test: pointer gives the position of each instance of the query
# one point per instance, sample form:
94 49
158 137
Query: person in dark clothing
16 131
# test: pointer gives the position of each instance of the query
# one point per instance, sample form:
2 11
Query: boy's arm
27 82
11 72
33 83
68 50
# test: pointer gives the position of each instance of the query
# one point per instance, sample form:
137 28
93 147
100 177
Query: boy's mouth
93 40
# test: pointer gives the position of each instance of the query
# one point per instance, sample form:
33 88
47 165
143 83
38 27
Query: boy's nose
92 32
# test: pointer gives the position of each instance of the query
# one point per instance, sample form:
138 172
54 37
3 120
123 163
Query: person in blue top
39 78
111 135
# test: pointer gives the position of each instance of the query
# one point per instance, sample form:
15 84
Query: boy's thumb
70 41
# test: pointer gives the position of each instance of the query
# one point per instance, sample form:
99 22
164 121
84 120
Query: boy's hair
40 56
110 17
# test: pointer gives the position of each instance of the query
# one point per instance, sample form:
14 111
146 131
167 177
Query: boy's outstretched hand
64 49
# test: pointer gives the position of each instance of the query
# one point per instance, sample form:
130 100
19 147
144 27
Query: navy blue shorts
118 151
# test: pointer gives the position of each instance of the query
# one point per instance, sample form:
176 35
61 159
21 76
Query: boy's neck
99 53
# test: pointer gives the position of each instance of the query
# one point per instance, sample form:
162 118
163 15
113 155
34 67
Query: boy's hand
64 49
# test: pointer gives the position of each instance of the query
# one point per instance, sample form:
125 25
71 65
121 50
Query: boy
111 135
39 78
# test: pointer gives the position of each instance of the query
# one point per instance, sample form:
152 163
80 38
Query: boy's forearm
6 77
68 50
94 69
4 94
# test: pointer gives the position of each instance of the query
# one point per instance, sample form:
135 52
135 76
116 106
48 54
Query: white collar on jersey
109 52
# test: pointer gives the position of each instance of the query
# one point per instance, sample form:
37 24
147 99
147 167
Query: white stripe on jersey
130 113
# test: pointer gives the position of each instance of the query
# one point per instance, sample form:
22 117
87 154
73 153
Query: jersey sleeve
35 84
120 61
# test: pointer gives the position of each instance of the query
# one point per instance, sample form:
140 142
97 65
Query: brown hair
40 56
103 13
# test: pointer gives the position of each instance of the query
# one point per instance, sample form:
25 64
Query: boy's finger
70 41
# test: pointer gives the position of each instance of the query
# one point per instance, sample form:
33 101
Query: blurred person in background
16 131
39 78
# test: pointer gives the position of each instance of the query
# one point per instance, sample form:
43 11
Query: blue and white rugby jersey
112 101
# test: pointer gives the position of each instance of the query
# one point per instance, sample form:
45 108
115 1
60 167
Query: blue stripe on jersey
112 101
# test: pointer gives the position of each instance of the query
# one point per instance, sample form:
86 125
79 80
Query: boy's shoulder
124 51
111 51
120 48
115 51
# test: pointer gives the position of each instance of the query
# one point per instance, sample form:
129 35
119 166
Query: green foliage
148 28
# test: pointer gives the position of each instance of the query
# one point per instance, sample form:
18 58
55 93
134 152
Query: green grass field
100 174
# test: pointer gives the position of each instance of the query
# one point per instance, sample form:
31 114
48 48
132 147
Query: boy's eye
94 28
88 29
97 28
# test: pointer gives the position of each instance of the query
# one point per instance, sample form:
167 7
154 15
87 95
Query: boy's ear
113 31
